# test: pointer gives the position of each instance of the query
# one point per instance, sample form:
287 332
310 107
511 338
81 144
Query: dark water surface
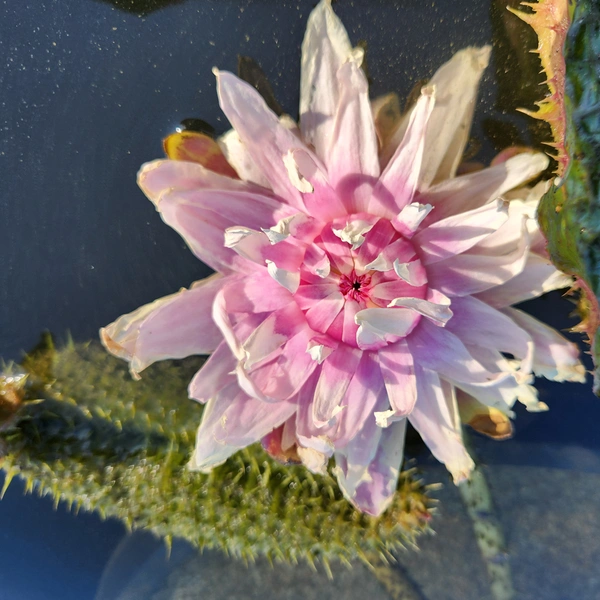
88 92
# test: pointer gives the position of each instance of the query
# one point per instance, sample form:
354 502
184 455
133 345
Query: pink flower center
370 264
355 287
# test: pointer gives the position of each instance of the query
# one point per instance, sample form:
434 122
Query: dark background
88 91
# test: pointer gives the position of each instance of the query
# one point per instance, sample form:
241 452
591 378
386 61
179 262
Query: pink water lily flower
361 283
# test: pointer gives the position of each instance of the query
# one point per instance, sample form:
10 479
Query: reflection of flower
360 282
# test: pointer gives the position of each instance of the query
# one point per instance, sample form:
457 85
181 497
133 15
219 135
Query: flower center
355 287
356 264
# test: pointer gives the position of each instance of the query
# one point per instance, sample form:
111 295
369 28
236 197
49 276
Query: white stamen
234 235
410 217
296 178
410 272
318 352
386 417
379 264
281 231
353 232
439 314
290 281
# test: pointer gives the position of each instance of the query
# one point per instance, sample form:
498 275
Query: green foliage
101 441
570 213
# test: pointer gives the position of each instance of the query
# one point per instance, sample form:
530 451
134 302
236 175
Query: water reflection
141 7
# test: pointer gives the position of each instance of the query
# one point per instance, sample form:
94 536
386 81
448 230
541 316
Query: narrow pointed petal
175 326
336 373
538 277
397 368
353 149
215 374
158 177
457 234
232 421
201 205
436 418
364 392
439 350
261 132
368 468
554 356
477 323
456 85
401 175
209 453
473 272
467 192
325 48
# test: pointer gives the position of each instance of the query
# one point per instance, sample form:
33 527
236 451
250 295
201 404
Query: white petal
240 159
325 48
448 128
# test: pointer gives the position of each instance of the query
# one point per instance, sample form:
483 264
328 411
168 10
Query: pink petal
272 333
200 205
232 421
353 145
477 323
321 315
435 417
554 356
263 293
325 48
175 326
440 350
397 368
368 467
285 375
457 234
215 374
461 194
339 252
474 272
323 202
380 236
261 132
161 176
365 389
336 373
401 174
538 277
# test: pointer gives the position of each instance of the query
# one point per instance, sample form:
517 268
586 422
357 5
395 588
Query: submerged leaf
101 441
